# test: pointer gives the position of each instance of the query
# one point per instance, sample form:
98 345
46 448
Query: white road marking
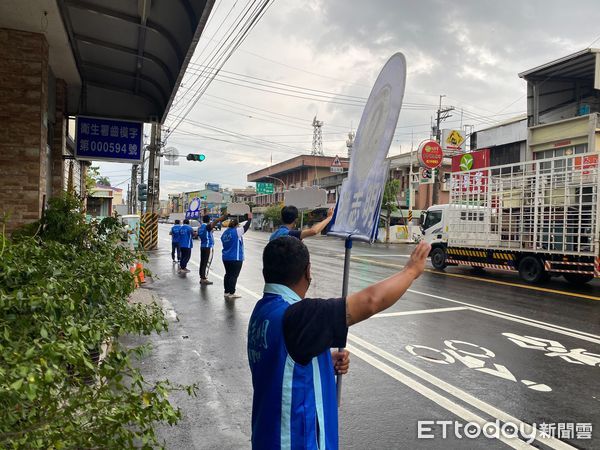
534 323
458 393
421 311
442 401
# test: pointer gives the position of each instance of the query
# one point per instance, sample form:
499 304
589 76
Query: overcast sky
469 51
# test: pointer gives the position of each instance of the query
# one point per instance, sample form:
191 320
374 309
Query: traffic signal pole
150 218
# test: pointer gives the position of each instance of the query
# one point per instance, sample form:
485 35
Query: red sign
586 162
476 180
430 154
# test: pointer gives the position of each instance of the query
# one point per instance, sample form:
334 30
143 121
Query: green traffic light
195 157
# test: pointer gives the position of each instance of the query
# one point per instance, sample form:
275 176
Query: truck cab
434 226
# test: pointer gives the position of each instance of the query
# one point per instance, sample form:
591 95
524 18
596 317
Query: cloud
470 51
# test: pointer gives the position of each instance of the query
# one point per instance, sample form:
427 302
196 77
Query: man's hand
249 215
341 361
330 212
416 264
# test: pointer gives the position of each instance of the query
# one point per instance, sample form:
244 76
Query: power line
245 29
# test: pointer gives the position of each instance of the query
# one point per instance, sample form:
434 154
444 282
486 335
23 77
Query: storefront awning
131 54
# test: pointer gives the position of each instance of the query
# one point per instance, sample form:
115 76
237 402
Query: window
433 218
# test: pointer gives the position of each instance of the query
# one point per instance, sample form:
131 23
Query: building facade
297 172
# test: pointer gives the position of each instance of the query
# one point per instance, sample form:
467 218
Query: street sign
452 140
305 198
430 154
426 176
357 211
99 139
264 188
193 211
336 165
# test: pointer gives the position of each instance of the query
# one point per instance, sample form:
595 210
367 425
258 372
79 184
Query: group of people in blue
290 337
182 242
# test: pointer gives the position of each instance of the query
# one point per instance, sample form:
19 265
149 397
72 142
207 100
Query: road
457 347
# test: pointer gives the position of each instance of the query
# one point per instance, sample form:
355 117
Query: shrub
64 289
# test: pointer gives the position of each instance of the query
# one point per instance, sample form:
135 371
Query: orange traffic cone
141 276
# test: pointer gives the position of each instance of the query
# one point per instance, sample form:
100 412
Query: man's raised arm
379 296
317 227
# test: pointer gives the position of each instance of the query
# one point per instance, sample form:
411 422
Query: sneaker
226 295
206 282
234 296
186 270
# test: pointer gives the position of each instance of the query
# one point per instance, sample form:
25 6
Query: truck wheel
438 258
531 269
578 278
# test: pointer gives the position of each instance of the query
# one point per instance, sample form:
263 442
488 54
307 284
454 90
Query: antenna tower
350 143
317 143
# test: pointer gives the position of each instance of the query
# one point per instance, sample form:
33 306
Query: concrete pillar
59 142
23 125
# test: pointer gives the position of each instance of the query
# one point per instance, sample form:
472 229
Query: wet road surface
458 347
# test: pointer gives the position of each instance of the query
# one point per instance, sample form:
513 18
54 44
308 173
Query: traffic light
195 157
142 192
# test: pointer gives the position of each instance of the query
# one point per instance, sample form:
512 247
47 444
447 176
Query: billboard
473 180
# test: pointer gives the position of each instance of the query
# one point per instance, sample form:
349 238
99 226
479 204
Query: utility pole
154 169
133 190
442 114
150 221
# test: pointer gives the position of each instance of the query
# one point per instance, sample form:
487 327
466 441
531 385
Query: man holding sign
289 346
289 217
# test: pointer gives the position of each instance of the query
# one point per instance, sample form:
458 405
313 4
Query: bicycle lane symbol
473 357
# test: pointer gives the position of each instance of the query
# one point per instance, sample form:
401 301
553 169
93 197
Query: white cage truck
539 218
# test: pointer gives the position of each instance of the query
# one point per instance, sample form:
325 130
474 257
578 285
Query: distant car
195 225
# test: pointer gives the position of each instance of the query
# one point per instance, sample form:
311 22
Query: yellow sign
455 138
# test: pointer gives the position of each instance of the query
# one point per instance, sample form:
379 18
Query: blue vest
185 236
233 245
206 237
281 231
175 233
294 406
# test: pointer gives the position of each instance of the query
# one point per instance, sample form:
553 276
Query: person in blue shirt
207 243
233 254
186 242
175 250
289 217
290 338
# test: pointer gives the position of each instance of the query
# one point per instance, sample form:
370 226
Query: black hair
285 260
289 214
206 219
233 223
186 221
177 221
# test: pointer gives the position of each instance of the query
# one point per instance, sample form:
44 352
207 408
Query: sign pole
345 279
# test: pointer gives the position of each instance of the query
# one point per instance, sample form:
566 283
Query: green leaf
17 384
44 333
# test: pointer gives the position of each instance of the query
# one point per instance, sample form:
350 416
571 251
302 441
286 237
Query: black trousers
232 272
186 253
175 250
204 257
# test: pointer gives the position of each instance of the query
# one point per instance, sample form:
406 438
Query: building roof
294 164
579 65
120 59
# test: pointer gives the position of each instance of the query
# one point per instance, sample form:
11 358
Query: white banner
357 211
